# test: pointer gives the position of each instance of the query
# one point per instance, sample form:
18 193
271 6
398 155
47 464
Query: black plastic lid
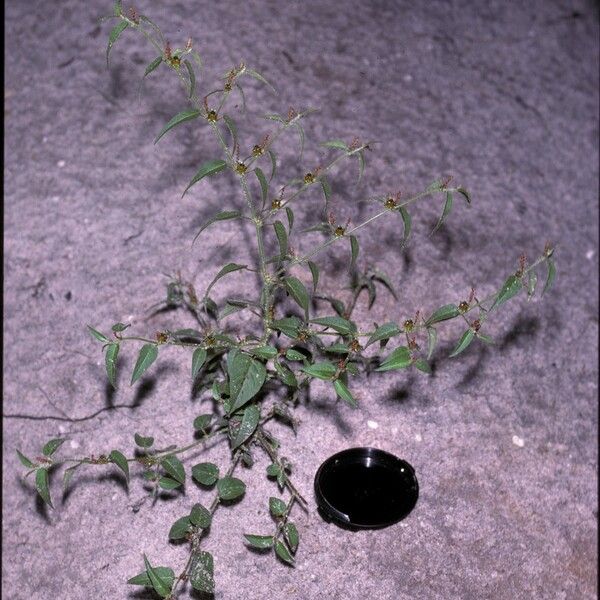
365 488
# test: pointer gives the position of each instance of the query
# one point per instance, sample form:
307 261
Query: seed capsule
409 325
257 150
463 307
390 203
339 231
276 204
241 168
309 178
212 116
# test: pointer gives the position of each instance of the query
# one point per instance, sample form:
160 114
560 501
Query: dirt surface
503 95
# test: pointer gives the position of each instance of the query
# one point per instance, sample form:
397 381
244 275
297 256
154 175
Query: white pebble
60 164
61 428
418 437
372 424
44 139
589 254
394 430
517 441
74 444
408 78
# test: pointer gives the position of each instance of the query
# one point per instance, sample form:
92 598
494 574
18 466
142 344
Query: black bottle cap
365 488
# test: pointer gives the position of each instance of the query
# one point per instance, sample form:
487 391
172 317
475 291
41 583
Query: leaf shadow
332 410
40 506
100 478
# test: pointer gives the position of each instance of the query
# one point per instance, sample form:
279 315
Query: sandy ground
504 95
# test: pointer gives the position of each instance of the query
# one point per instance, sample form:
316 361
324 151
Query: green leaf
166 483
344 393
201 572
283 553
119 459
202 422
282 238
431 341
232 129
273 163
200 516
290 218
531 284
42 487
321 370
445 212
172 465
198 359
180 528
259 77
422 365
25 461
289 326
99 336
192 77
511 287
259 541
67 476
246 377
264 186
486 339
448 311
143 442
148 354
461 190
337 348
114 35
381 276
118 327
112 352
338 324
338 144
298 292
277 507
222 216
248 425
398 359
153 65
354 248
406 220
326 190
265 352
159 582
286 375
205 473
291 536
228 268
273 470
212 167
463 343
361 165
165 573
182 117
384 332
302 136
314 271
550 277
52 446
230 488
292 354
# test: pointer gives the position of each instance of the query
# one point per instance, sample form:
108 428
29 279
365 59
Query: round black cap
365 488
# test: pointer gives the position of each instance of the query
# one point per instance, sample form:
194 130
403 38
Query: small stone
60 164
418 437
589 254
517 441
372 424
74 444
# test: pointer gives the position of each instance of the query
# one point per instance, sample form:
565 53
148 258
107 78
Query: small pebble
372 424
394 430
589 254
517 441
60 164
74 444
61 428
408 78
418 437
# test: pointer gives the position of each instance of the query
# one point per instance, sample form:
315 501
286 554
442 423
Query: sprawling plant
291 344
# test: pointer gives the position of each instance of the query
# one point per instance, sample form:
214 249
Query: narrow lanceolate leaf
198 359
264 185
201 572
302 136
172 465
42 487
445 211
182 117
200 516
112 352
282 238
338 324
205 473
384 332
338 144
422 365
361 165
314 271
114 35
511 287
354 248
463 343
273 163
407 221
222 216
298 292
550 277
290 217
289 326
52 446
277 507
531 284
321 370
25 461
153 65
259 541
283 553
165 573
146 357
248 425
326 190
119 459
344 393
99 336
180 528
230 488
192 77
464 193
212 167
398 359
159 582
448 311
67 475
291 536
246 378
431 341
228 268
259 77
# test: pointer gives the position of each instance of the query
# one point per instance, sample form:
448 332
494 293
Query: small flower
309 178
339 231
463 307
240 168
212 116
